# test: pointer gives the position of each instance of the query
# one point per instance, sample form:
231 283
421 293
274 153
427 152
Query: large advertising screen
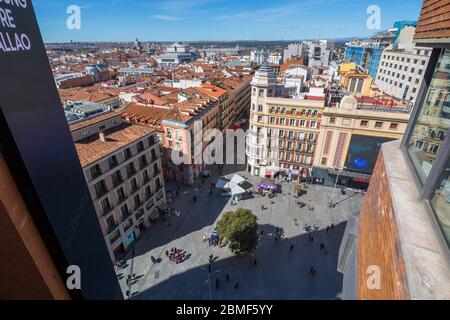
363 152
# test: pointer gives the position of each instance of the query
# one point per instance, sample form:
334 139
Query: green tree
239 229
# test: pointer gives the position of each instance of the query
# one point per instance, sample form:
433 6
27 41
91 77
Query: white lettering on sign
10 39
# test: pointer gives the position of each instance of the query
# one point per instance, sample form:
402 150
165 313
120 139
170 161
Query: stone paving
278 274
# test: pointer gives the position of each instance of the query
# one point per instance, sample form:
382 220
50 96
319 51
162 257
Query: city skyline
199 20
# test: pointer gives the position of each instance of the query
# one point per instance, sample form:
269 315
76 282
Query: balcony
148 196
107 210
134 189
110 229
101 193
117 182
96 174
121 200
143 164
131 172
113 164
126 214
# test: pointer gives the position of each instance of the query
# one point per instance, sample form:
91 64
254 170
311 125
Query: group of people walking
178 255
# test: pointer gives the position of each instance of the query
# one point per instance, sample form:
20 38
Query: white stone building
402 67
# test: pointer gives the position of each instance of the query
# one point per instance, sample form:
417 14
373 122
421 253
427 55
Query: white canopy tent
233 185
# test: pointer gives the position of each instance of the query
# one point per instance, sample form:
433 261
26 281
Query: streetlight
331 205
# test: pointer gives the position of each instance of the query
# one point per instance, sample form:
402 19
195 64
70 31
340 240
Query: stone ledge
426 263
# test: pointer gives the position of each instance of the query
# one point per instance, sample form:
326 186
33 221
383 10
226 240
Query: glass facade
441 201
433 122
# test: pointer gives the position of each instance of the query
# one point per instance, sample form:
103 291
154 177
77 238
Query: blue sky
195 20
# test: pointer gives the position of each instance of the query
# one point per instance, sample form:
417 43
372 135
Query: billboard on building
363 152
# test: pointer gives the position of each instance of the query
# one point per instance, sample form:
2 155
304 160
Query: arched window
283 110
254 91
316 113
294 111
278 109
303 112
272 109
309 112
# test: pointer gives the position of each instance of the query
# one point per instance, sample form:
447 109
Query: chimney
102 136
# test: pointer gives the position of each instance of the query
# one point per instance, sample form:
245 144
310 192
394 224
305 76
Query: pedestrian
128 293
332 226
227 277
209 268
328 228
255 262
322 246
176 193
262 233
217 283
236 286
312 239
292 248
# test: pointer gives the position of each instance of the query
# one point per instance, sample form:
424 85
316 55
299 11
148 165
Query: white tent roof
221 183
236 190
237 179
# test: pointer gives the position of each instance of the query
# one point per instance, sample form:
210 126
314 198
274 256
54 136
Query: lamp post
331 205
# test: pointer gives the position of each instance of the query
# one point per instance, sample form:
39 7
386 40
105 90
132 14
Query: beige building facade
123 170
283 130
351 133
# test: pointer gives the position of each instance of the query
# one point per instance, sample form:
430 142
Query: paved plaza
278 273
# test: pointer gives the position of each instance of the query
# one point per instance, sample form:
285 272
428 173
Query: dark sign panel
363 153
36 141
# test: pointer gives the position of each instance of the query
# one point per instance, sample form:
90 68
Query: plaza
278 273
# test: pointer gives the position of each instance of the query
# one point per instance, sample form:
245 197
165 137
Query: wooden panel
378 242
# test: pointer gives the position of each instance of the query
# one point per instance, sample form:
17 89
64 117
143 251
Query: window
96 171
124 211
140 146
261 93
134 185
260 108
332 120
393 126
440 201
128 153
100 188
112 161
292 122
364 123
117 178
106 206
378 125
433 114
120 195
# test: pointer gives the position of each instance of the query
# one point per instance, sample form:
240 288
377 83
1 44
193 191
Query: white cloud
166 17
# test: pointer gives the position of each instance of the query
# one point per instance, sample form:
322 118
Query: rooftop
93 149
